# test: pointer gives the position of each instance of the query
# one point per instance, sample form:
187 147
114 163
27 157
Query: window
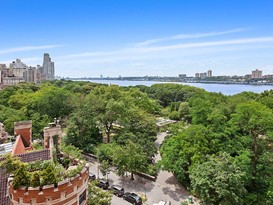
82 197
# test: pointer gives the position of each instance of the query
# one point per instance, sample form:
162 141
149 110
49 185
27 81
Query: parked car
133 198
92 176
103 184
117 190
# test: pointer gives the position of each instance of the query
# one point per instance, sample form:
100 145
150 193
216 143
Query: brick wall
3 187
26 157
67 192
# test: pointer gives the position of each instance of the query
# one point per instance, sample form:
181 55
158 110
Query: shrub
21 176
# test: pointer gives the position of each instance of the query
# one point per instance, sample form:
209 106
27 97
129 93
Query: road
165 188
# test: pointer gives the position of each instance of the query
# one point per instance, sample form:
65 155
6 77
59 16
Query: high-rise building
48 70
256 74
203 75
32 75
197 75
209 73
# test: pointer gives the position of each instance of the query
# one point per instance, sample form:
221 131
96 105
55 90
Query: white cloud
186 36
209 44
28 48
160 51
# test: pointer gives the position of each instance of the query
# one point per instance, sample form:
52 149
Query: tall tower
209 73
48 70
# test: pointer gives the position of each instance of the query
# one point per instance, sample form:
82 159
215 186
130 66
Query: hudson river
226 89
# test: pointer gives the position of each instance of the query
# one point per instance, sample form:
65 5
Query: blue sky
86 38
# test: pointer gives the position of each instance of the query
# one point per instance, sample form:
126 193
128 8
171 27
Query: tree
186 148
21 176
82 130
184 111
131 158
105 168
9 115
52 101
219 181
97 196
112 113
255 120
10 163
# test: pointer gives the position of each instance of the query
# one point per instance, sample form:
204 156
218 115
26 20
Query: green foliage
169 93
9 115
129 158
52 101
21 176
106 151
219 181
187 147
147 143
239 125
72 151
152 169
35 179
48 175
105 167
74 172
97 196
184 111
10 164
82 130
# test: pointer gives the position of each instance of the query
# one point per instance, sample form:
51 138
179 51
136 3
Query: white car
161 203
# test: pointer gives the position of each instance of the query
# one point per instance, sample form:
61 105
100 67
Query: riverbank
226 89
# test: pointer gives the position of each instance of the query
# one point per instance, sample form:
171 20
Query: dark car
92 176
117 190
103 184
133 198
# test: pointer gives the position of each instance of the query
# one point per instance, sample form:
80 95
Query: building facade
68 191
209 73
197 75
17 72
256 74
203 75
48 70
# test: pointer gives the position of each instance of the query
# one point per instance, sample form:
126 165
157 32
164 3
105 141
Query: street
165 187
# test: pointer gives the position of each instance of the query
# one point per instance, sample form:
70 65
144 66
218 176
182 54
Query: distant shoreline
174 81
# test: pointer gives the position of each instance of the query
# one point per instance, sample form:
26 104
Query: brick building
73 191
70 191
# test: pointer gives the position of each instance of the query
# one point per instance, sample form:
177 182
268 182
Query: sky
89 38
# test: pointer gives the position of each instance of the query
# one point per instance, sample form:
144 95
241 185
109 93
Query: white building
12 80
17 69
209 73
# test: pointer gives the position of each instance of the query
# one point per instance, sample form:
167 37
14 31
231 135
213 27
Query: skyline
138 38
